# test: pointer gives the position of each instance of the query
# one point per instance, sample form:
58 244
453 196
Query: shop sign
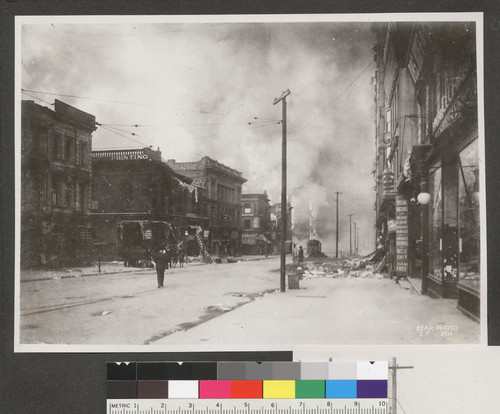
401 236
248 239
391 226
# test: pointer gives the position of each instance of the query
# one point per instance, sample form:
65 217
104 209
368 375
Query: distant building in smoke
276 228
256 215
313 244
427 160
224 202
313 222
55 184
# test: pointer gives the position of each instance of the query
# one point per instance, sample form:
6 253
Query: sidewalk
107 268
347 310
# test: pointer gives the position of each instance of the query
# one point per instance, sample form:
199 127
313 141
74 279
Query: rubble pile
346 269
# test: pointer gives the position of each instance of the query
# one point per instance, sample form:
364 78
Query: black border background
64 382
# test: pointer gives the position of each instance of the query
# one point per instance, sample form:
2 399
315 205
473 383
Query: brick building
427 162
256 216
55 184
224 203
139 204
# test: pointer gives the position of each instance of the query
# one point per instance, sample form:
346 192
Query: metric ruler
248 406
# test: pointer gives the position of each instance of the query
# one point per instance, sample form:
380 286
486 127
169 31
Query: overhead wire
194 124
327 135
333 101
36 97
148 105
232 132
123 130
122 133
124 136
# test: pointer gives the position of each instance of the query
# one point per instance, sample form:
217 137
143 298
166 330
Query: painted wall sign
401 236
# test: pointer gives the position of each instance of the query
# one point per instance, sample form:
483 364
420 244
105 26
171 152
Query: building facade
427 161
224 202
276 229
256 219
55 185
139 204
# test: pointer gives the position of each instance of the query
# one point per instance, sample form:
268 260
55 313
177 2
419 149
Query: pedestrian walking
301 254
174 256
160 261
169 257
181 258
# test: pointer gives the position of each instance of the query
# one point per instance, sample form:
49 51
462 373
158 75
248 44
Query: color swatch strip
364 370
247 380
267 389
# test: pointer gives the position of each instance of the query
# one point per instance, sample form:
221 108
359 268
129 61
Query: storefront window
450 228
436 212
469 212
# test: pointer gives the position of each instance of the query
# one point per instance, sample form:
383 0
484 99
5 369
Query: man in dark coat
160 260
301 254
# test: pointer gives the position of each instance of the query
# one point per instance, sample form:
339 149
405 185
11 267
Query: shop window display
450 221
469 212
436 212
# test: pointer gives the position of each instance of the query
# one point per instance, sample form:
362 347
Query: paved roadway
234 304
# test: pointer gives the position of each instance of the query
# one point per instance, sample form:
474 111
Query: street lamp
424 197
419 152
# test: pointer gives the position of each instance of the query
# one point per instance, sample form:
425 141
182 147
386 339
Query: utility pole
355 237
282 98
394 400
357 240
337 226
350 233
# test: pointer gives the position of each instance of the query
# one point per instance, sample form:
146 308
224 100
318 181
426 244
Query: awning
264 239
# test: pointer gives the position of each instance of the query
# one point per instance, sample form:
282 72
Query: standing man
160 260
301 254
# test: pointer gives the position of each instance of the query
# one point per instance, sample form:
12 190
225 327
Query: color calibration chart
247 387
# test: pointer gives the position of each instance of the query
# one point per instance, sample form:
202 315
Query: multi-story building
55 184
427 163
276 229
256 217
139 204
224 204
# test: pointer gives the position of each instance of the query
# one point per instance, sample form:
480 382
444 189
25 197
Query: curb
74 276
416 289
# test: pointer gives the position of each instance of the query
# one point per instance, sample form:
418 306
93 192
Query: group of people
163 259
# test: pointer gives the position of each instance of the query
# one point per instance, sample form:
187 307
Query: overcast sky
205 88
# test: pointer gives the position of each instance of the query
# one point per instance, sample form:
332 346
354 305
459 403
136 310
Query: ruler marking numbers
256 406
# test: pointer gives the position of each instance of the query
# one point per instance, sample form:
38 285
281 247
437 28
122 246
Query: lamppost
423 198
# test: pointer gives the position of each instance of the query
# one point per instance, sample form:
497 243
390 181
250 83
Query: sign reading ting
401 236
120 155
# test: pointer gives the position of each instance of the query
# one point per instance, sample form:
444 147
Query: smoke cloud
199 89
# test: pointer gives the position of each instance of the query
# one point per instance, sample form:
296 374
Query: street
234 304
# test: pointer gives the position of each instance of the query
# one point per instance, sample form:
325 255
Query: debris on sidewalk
366 267
218 308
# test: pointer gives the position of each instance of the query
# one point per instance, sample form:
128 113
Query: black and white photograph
249 182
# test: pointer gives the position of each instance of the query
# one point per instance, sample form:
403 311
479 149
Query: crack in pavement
211 312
